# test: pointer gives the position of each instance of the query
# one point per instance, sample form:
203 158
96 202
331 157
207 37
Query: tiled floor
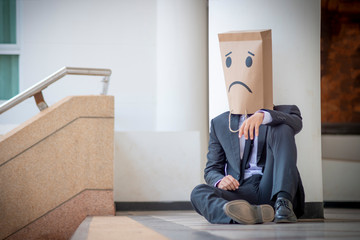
338 224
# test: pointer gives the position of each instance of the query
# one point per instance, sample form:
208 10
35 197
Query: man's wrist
267 117
217 183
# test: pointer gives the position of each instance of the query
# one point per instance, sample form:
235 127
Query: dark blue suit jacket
224 146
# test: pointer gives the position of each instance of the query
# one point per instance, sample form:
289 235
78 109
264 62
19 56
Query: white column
182 86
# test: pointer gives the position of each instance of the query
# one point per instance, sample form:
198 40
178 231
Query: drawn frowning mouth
241 83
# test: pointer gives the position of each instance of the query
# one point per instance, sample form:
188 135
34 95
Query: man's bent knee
281 131
196 197
196 191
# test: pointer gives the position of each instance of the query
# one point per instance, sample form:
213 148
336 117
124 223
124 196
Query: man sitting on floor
252 170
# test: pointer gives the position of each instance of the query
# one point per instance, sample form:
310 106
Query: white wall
156 166
295 28
341 167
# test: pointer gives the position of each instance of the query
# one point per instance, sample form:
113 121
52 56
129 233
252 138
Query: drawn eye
248 61
228 62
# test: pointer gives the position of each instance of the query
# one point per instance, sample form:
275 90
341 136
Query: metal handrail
36 90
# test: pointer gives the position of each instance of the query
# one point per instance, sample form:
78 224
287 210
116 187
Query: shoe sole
285 220
242 212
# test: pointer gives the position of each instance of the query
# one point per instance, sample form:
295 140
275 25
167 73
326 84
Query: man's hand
250 124
228 183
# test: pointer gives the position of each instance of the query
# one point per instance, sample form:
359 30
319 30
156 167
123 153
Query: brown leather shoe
242 212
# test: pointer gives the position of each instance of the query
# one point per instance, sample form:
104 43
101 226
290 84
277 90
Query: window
9 50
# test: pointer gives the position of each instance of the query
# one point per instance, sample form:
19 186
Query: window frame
14 48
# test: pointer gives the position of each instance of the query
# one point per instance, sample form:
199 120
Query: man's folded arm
286 114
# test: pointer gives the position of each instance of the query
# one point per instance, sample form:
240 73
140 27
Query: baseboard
313 210
329 204
153 206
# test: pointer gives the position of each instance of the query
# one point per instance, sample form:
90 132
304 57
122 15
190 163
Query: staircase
57 168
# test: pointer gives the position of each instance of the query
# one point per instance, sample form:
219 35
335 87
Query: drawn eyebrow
251 53
228 54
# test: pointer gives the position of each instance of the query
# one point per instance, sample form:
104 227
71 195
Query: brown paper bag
247 64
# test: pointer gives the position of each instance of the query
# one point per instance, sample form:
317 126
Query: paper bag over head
247 63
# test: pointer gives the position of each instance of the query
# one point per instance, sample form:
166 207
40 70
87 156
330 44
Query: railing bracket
40 102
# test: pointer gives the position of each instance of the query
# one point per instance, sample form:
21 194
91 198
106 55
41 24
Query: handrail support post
40 102
105 85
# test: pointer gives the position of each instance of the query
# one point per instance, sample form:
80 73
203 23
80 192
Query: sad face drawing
248 63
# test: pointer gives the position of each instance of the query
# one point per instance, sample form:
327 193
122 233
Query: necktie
245 158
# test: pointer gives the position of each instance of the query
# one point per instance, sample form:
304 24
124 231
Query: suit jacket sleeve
216 159
286 114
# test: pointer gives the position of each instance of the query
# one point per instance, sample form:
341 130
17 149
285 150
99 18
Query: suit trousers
280 174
